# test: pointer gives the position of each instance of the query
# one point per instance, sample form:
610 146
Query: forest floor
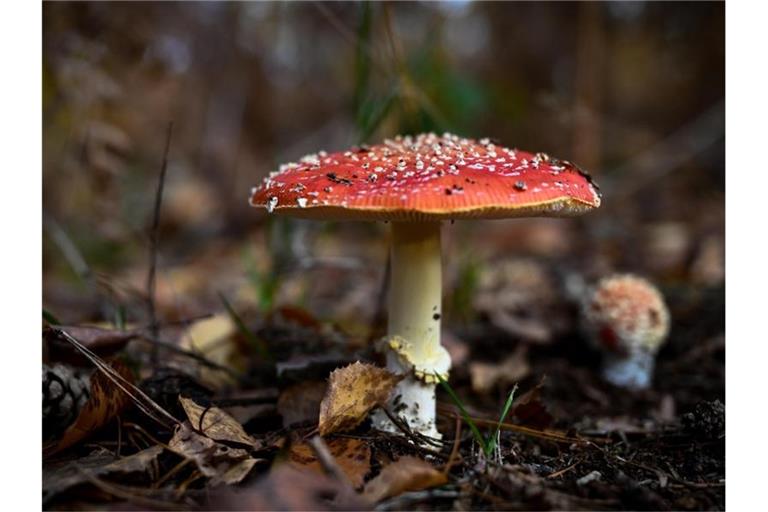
197 433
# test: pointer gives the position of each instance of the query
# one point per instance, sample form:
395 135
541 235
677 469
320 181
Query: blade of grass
120 315
467 419
252 339
362 63
50 317
265 284
374 113
505 411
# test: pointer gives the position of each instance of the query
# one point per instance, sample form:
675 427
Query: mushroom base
633 372
413 401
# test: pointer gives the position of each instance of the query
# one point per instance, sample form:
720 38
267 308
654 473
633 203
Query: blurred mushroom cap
625 314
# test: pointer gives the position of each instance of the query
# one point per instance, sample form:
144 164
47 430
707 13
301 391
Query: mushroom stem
634 371
413 345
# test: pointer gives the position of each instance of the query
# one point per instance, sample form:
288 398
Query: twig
155 342
178 467
130 494
564 470
153 236
142 401
542 434
455 449
326 460
418 439
149 436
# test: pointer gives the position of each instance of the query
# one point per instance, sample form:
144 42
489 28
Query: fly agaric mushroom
625 317
416 183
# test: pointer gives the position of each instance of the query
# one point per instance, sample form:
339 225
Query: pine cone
65 392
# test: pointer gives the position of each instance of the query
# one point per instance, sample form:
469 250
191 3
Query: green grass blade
50 318
252 339
475 431
505 411
120 316
362 63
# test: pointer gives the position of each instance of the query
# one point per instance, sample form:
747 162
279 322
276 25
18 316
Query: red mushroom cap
427 177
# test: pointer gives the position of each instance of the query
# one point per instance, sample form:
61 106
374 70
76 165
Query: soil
656 449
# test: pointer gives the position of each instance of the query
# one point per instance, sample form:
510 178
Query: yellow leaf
352 392
407 474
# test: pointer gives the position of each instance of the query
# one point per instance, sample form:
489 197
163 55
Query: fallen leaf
406 474
60 477
352 392
106 402
216 424
530 410
301 402
209 337
103 342
217 461
297 316
352 455
486 377
214 338
290 488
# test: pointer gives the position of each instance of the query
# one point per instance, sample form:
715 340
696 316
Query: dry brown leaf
103 342
107 401
530 410
301 402
217 461
404 475
352 455
352 392
216 424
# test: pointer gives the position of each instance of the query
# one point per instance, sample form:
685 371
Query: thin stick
327 460
130 494
418 439
153 237
142 401
455 449
551 435
564 470
155 342
178 467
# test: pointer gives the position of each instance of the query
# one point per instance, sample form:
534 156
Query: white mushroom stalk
634 371
412 345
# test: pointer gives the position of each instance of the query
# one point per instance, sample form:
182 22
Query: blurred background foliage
632 91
